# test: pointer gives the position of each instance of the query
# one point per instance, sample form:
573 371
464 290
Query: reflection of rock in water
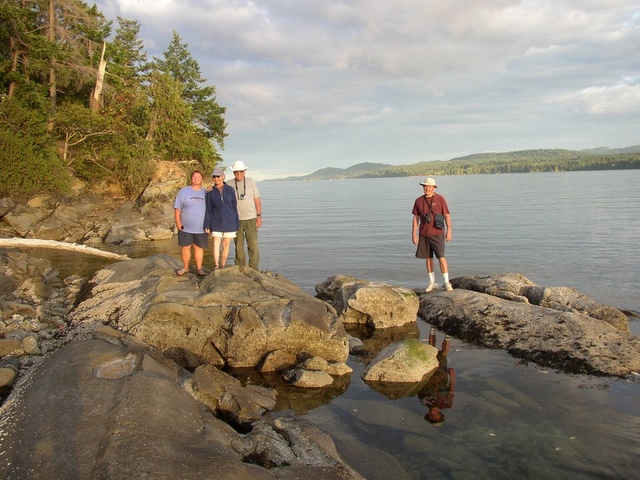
298 400
374 340
395 390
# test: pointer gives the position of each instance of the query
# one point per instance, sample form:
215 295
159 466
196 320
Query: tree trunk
97 91
52 72
14 65
37 243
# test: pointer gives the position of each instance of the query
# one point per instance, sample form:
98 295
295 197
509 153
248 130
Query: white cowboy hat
238 166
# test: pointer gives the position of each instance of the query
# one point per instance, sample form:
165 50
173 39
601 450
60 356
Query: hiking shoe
432 286
448 287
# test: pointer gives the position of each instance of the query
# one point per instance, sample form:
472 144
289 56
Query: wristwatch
259 215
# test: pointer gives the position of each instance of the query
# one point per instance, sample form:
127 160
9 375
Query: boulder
23 218
167 179
228 399
565 340
70 219
376 304
7 377
278 361
151 216
233 317
114 408
315 372
301 448
303 378
366 343
132 223
406 361
6 205
90 218
518 288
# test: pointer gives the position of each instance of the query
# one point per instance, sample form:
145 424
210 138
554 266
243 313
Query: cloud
309 84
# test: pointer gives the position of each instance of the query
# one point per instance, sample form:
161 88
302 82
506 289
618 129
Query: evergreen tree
31 164
207 113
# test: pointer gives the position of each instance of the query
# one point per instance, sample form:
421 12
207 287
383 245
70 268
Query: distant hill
332 173
605 150
522 161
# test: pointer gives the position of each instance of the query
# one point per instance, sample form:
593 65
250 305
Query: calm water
508 419
575 229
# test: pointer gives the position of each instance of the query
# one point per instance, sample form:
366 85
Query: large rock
406 361
518 288
233 317
299 449
23 218
228 399
376 304
90 218
133 223
6 205
71 218
569 341
151 216
116 409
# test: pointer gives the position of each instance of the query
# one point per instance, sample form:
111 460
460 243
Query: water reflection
375 340
437 393
290 398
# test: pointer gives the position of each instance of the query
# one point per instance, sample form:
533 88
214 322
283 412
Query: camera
242 195
426 218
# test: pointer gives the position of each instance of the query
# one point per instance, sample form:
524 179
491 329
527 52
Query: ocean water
578 229
509 419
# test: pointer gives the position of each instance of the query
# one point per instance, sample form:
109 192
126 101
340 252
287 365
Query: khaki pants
248 231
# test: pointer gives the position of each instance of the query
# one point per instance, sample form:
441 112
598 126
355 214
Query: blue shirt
222 210
191 204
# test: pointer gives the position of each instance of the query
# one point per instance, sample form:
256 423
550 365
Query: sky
309 84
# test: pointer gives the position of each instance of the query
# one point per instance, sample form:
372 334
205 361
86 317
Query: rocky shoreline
146 350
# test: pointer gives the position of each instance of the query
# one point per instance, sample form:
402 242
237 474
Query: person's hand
414 239
259 221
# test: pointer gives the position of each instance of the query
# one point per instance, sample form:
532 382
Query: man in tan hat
428 231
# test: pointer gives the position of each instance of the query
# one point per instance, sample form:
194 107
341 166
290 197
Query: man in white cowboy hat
250 213
427 212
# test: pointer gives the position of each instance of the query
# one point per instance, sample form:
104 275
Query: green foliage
128 67
208 115
47 81
130 161
31 164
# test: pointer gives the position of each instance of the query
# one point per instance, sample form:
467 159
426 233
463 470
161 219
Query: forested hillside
524 161
79 99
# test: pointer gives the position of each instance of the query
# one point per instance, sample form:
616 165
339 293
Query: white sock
432 277
446 277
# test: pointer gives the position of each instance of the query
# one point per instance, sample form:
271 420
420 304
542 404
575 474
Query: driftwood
36 243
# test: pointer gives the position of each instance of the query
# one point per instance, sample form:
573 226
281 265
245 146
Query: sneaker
448 287
432 286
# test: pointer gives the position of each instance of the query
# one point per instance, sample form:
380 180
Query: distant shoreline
524 161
